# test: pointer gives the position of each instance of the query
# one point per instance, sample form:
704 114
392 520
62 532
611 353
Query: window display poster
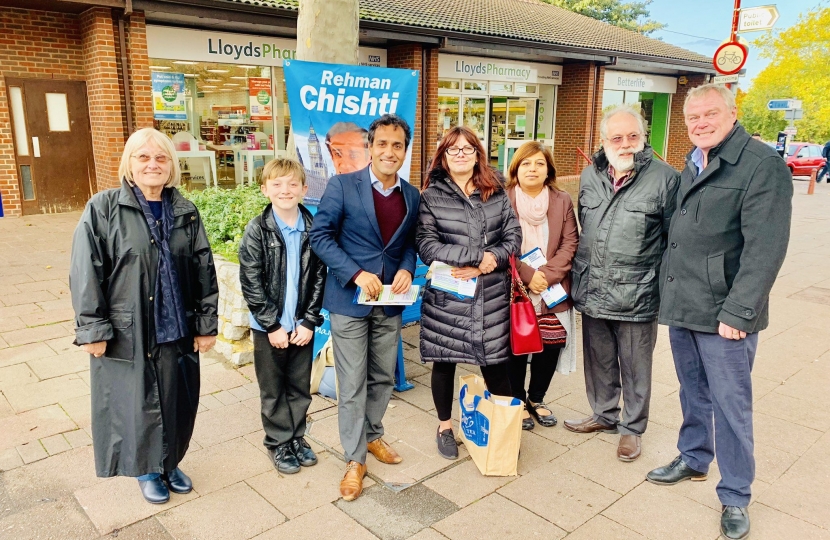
260 100
168 96
332 107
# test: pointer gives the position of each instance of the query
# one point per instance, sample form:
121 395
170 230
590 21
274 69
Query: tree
629 15
798 69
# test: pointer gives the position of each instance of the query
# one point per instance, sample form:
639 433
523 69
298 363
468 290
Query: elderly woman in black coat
466 221
145 296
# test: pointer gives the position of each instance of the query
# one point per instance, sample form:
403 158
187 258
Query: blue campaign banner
168 96
332 106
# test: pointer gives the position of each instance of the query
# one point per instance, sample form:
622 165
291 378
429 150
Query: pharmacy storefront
505 102
221 98
652 93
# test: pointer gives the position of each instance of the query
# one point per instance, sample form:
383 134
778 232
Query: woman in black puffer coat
466 221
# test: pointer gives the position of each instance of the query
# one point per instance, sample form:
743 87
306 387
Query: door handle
36 146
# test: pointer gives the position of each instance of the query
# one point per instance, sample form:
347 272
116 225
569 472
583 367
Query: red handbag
525 337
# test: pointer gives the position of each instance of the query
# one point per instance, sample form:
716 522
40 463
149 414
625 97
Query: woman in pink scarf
548 223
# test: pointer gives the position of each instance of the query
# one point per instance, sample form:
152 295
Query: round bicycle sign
730 58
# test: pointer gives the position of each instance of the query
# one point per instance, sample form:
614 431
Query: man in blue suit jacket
364 231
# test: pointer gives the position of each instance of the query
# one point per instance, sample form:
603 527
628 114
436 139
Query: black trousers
177 373
284 377
542 368
443 385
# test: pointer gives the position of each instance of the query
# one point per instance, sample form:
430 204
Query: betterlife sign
225 48
639 82
490 69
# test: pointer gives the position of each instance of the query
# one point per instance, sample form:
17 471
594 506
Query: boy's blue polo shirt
292 235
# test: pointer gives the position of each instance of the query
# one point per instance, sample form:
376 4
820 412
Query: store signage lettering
452 66
265 50
167 42
321 99
639 82
491 69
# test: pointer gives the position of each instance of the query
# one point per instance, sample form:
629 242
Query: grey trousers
617 357
365 353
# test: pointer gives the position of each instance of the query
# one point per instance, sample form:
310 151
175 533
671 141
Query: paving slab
601 527
463 484
117 503
31 396
24 353
216 467
496 517
207 518
53 519
32 425
225 423
327 521
395 516
148 529
62 364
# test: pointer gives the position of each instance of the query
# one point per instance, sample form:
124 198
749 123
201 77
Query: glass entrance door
519 126
447 114
475 117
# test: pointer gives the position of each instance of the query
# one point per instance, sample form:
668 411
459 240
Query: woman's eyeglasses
466 150
145 158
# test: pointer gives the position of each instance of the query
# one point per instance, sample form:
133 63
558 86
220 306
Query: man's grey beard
622 164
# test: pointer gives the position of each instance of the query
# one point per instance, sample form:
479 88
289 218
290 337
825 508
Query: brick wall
576 126
104 93
141 86
679 144
409 57
33 44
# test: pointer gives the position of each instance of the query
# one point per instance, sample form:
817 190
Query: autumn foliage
799 68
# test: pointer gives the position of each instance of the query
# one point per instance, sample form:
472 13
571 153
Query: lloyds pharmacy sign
490 69
226 48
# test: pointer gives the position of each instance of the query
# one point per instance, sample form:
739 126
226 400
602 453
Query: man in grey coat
727 242
626 198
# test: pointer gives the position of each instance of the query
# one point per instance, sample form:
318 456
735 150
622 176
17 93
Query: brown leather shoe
629 448
352 484
588 425
383 452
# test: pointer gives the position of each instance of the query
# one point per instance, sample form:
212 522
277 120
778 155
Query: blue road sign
780 104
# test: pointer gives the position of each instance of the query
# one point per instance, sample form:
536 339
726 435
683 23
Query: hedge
225 212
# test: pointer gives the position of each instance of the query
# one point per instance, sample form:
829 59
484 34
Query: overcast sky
701 25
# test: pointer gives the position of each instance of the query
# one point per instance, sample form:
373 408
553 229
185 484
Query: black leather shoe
527 423
734 522
154 491
177 481
305 455
546 420
675 472
284 459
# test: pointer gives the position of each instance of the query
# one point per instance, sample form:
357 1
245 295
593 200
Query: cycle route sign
730 58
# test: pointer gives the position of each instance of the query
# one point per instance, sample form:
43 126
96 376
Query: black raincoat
144 396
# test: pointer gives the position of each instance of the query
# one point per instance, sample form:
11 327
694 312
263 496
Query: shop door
475 117
52 143
520 126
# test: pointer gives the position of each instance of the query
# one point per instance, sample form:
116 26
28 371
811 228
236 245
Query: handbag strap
517 288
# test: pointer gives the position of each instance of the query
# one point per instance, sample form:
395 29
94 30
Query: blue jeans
716 384
146 477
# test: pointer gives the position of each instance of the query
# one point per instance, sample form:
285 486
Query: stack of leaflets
441 278
387 297
554 294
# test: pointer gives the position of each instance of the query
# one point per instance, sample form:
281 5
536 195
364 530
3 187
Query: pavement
569 486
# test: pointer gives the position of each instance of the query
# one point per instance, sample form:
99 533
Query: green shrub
225 212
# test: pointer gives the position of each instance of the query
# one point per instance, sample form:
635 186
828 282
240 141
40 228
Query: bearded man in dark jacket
626 198
728 240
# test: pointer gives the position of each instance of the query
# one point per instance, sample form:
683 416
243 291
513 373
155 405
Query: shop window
26 180
501 88
233 114
526 89
448 114
475 86
445 84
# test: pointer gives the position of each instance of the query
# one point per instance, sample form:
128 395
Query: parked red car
804 158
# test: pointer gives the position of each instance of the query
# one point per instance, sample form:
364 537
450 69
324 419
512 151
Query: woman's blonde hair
139 139
522 153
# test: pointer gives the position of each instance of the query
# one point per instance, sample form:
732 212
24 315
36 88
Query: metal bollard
812 188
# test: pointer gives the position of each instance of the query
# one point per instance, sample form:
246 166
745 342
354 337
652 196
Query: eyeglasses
161 159
633 139
466 150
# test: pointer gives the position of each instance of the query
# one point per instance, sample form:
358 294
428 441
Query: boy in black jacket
283 282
